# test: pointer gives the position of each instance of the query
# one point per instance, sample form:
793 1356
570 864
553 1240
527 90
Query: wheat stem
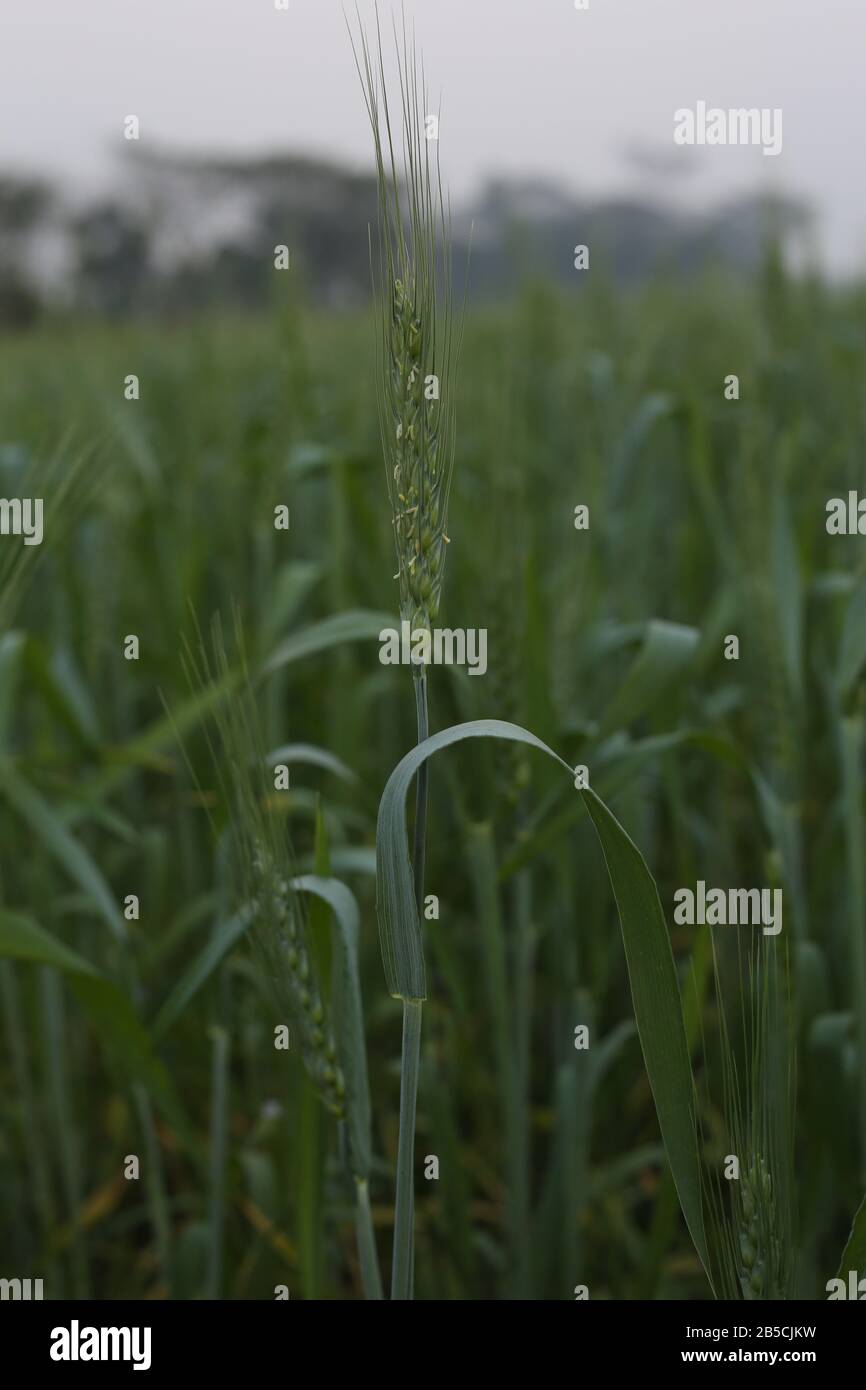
366 1238
401 1269
420 838
218 1147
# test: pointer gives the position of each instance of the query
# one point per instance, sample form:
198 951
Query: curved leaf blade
652 973
311 755
399 925
358 625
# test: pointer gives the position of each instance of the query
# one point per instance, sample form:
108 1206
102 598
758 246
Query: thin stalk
852 781
34 1147
577 1092
401 1269
419 677
419 851
156 1189
310 1158
569 1131
523 977
370 1276
218 1128
483 867
68 1138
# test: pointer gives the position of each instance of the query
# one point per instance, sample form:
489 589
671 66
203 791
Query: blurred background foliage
174 232
706 519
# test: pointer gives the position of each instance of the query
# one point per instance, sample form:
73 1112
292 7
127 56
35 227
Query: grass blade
64 847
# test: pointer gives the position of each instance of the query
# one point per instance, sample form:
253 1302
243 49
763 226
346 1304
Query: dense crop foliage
154 1036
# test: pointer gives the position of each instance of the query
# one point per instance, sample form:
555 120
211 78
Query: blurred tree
112 258
25 207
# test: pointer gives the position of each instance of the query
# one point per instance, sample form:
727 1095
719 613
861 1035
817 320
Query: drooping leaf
652 973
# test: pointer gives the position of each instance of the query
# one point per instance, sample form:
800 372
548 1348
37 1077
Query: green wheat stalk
417 351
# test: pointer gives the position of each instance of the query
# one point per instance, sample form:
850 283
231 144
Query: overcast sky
529 87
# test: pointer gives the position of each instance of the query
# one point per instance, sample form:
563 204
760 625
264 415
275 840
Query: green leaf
313 756
359 625
854 1254
399 926
655 406
652 973
64 847
613 764
123 1036
57 677
108 1009
291 585
348 1011
227 933
658 1010
668 650
605 1054
145 749
354 859
21 939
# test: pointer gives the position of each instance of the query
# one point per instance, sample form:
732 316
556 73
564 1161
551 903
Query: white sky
530 87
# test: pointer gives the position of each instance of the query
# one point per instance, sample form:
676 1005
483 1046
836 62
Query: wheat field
139 1018
299 998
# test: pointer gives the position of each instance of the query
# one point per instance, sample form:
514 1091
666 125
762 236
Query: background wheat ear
753 1216
264 869
271 903
417 340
